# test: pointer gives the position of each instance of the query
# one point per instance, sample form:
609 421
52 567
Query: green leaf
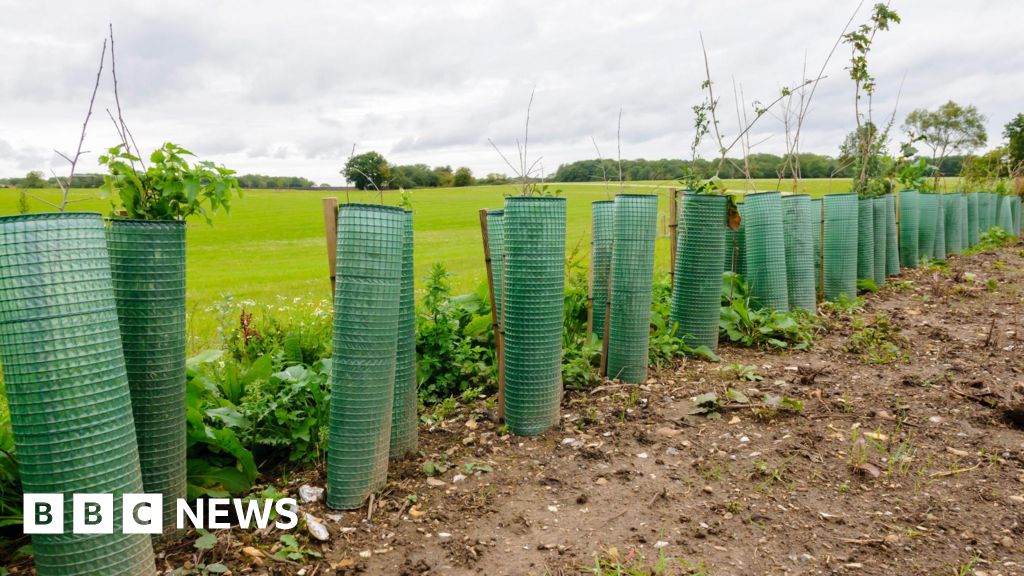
217 568
206 540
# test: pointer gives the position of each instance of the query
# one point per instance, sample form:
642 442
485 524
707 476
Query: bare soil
914 467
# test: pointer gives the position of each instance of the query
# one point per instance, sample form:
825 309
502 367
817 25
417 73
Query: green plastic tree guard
766 250
367 300
603 222
892 245
940 227
147 263
1004 219
953 223
817 220
991 210
534 302
629 335
496 246
865 239
403 413
67 387
879 257
798 220
909 229
700 251
926 231
972 219
735 247
841 216
961 206
1016 215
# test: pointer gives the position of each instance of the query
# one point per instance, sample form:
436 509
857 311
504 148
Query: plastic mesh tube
926 231
366 326
940 227
67 386
496 246
534 302
972 219
879 257
603 223
403 413
910 234
735 247
147 263
766 250
892 245
841 215
953 223
865 238
1004 219
799 219
636 225
816 218
700 252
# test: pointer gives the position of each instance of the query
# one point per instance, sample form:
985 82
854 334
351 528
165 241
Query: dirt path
907 468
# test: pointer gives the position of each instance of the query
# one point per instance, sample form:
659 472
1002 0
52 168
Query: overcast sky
288 88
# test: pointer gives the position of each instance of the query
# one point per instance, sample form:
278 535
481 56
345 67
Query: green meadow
271 246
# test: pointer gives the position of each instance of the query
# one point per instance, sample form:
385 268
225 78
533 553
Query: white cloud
288 88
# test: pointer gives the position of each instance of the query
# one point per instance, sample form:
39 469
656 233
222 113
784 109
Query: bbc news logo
143 513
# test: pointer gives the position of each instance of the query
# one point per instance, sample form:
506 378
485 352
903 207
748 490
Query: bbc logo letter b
44 513
92 513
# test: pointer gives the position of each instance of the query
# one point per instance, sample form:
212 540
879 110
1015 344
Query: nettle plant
170 188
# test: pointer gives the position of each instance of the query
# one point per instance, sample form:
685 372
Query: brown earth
914 467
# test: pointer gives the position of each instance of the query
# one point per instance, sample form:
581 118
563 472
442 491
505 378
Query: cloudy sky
288 88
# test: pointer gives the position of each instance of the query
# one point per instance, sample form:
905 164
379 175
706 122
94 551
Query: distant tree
445 177
463 177
367 170
33 179
1014 134
949 129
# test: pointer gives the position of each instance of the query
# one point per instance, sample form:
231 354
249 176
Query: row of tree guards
790 249
92 324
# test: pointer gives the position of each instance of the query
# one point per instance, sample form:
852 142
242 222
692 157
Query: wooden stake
331 234
499 332
673 226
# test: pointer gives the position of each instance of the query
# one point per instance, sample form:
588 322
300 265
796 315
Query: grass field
272 244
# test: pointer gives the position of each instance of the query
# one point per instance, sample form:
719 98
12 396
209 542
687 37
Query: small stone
252 552
1007 542
744 439
309 494
468 440
471 424
660 544
642 455
444 535
416 513
568 441
601 481
365 554
1017 499
335 517
892 538
708 490
316 528
805 557
935 419
435 482
552 508
670 451
458 478
667 432
734 420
